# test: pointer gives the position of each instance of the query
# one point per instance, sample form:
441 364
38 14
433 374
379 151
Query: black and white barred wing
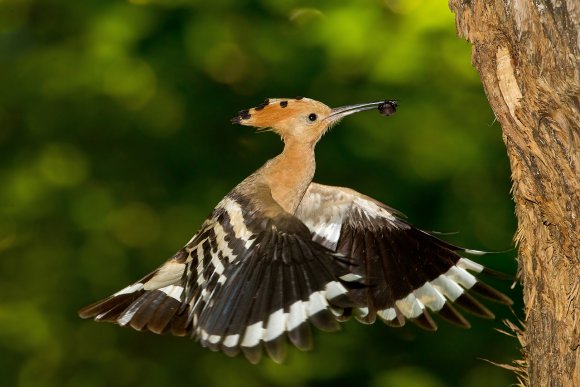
246 282
408 271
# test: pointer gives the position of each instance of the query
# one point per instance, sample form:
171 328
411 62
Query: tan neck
290 173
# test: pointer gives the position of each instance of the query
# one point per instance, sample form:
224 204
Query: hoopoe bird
280 254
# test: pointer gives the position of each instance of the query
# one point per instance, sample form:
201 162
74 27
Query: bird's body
280 253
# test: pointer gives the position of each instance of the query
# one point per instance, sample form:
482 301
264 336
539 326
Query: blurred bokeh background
115 143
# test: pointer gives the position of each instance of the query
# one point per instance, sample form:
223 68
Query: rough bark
527 55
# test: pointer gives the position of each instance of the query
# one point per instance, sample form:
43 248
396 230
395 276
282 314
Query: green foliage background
115 143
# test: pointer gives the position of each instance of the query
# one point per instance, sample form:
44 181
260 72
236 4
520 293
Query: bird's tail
152 303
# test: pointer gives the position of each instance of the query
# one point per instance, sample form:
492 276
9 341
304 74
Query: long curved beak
386 108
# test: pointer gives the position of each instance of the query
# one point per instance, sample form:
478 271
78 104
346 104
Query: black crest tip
262 105
242 115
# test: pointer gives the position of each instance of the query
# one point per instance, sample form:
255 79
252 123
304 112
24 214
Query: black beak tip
388 108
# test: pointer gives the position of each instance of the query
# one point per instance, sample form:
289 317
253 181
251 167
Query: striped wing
245 282
408 271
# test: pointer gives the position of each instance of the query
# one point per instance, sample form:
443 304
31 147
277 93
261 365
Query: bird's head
302 119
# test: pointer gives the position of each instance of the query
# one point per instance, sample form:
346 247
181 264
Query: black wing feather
406 270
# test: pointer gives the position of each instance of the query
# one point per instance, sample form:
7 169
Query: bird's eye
312 117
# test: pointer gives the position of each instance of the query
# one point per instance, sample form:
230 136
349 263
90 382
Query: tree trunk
527 55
